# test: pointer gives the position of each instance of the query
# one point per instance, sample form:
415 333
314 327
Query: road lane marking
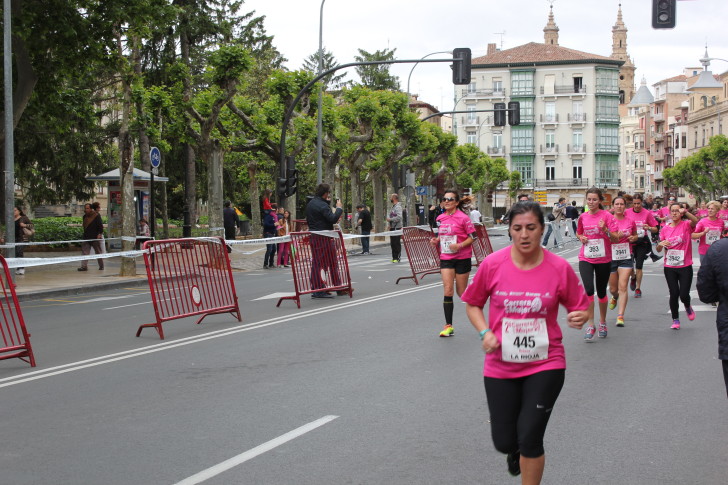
257 451
128 354
124 306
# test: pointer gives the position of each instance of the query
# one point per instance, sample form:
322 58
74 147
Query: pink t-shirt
723 214
664 212
521 298
599 248
642 219
628 228
715 228
454 228
702 213
680 252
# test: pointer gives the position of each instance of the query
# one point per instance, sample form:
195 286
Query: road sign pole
155 157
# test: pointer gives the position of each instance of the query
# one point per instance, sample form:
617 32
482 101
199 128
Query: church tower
551 31
619 51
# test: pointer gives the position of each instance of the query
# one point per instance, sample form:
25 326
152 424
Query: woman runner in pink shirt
524 363
455 235
622 264
708 229
675 237
596 230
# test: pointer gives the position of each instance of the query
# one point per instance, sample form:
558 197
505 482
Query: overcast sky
418 27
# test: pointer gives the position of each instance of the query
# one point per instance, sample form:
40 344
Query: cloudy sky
418 27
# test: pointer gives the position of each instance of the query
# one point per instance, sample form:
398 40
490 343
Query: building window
472 117
522 139
550 170
577 140
526 110
471 88
607 138
497 140
524 165
642 182
550 111
607 109
576 169
522 83
550 139
470 137
578 84
497 85
607 81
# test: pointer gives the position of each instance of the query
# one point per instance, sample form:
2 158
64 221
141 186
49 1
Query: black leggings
520 410
679 281
601 270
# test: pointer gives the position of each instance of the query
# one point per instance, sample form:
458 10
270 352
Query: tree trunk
256 227
214 188
126 171
379 209
356 198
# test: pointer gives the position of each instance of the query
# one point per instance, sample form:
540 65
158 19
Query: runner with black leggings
524 363
597 230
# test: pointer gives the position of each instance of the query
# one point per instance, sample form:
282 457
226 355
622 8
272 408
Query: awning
139 174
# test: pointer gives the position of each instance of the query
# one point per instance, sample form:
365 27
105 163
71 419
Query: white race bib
725 223
675 257
712 236
445 242
640 230
524 340
620 251
594 249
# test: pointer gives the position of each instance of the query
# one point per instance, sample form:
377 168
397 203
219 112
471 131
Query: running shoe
514 463
589 335
603 330
620 321
612 303
691 313
638 293
447 331
632 283
675 325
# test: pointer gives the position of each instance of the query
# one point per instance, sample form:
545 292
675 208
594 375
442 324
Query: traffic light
663 14
514 113
461 65
291 176
499 114
281 188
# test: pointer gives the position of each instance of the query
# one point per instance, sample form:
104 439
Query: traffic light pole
282 166
440 113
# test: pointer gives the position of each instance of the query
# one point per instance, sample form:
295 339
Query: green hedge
59 229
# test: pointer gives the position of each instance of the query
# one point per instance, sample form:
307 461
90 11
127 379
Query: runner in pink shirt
622 263
676 239
723 213
596 230
455 235
524 363
709 229
703 211
642 249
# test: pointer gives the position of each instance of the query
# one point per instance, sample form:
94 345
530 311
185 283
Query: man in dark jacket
230 221
320 217
713 286
364 221
93 231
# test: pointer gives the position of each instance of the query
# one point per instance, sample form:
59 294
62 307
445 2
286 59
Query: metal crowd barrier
189 277
481 246
16 339
319 264
300 225
423 257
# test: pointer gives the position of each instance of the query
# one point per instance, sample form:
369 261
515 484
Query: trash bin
244 227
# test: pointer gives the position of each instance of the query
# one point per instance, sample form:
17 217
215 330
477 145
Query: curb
79 290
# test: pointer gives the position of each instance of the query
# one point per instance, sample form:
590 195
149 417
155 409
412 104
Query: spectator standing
284 248
270 229
395 222
712 286
475 216
364 221
93 231
230 221
22 224
320 217
571 212
557 215
144 228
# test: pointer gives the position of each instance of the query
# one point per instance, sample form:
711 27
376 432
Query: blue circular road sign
156 157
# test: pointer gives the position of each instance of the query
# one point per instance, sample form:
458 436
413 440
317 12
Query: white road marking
153 348
124 306
273 295
252 453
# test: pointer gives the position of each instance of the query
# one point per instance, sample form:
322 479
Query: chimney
491 49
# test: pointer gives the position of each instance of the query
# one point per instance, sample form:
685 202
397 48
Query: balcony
522 91
657 174
548 149
567 89
659 157
576 118
576 148
607 89
470 121
561 183
604 148
658 117
497 151
606 183
523 149
658 137
484 93
607 118
549 119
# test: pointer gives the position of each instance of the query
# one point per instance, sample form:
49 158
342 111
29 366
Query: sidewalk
56 280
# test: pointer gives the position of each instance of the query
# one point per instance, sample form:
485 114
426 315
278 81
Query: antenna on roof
501 38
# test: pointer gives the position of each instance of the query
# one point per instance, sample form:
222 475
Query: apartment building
635 118
568 136
666 108
708 107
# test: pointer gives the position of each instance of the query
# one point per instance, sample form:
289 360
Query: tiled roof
681 77
538 53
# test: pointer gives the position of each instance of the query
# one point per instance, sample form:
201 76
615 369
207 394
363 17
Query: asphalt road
345 391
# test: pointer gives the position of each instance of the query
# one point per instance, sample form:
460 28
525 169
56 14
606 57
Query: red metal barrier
16 339
189 277
482 246
319 264
300 225
424 258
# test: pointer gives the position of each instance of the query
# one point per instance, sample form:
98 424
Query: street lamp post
319 120
413 67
